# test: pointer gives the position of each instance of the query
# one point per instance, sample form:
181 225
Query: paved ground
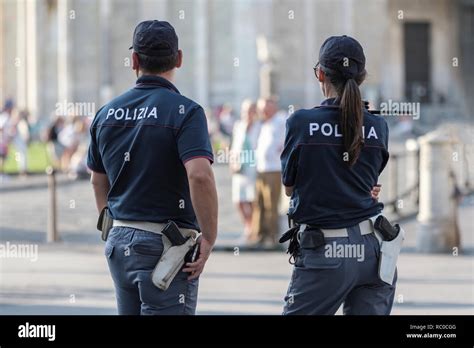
71 277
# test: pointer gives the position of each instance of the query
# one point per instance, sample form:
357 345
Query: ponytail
352 115
352 119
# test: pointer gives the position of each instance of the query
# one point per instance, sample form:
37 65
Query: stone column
266 68
125 15
20 59
311 54
105 90
47 55
31 58
26 56
201 46
266 27
245 50
63 47
437 216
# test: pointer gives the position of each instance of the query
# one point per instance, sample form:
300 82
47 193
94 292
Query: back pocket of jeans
316 259
147 249
109 249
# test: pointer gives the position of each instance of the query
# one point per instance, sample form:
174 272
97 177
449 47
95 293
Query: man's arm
101 187
202 187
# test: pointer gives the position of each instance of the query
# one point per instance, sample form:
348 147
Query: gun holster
173 256
391 240
105 223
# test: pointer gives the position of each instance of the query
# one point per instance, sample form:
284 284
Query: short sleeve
94 159
193 137
290 155
385 153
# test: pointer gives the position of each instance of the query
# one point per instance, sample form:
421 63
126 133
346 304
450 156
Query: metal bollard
52 232
437 216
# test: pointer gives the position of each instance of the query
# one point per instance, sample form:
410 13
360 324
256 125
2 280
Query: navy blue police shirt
141 141
327 192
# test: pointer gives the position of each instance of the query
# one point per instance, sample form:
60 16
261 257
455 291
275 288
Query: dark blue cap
343 54
155 38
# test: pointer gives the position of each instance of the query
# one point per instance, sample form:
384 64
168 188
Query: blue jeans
322 280
132 255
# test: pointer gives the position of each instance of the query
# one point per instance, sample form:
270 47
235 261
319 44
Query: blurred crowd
67 141
14 130
255 141
63 141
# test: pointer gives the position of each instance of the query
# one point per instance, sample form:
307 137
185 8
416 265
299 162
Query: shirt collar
331 101
152 80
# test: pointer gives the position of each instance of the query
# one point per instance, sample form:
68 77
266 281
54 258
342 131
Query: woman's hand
376 192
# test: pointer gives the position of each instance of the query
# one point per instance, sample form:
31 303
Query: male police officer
150 158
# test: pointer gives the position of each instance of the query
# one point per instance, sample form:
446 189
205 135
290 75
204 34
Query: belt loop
131 235
354 234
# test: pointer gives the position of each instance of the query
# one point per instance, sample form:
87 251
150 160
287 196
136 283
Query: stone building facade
56 51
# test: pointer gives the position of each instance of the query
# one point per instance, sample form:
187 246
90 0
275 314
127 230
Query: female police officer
332 158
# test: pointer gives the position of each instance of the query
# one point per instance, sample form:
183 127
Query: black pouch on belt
105 223
312 238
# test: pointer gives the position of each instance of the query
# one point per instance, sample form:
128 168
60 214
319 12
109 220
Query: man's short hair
157 64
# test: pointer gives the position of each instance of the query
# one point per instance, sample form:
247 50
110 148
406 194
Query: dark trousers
321 283
132 255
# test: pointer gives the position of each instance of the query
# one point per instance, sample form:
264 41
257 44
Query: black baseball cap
343 54
155 38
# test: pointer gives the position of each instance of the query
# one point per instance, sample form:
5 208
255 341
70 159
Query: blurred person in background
217 138
265 226
55 148
242 164
70 137
3 148
20 135
5 119
78 163
226 120
35 126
